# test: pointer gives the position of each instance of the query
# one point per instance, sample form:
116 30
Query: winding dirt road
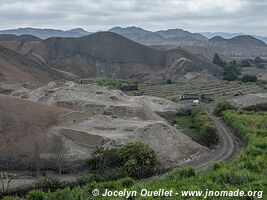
229 146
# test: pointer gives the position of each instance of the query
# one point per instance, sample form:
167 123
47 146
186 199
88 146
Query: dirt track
229 146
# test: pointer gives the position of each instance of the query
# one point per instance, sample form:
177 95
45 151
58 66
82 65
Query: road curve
228 147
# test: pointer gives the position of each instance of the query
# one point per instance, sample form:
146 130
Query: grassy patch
186 125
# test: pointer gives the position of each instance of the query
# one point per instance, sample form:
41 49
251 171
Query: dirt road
229 146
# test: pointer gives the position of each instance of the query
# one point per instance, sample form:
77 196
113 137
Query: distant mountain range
230 35
46 33
159 37
206 44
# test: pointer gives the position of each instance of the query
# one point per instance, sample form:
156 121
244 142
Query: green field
218 89
246 173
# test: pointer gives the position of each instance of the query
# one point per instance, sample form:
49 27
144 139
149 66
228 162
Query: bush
138 159
217 60
104 158
135 159
248 78
169 81
46 183
35 195
207 128
231 73
222 106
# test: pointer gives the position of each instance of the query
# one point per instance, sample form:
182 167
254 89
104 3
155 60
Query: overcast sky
247 16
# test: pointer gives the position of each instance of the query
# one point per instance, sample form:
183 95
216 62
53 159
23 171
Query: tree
139 160
217 60
169 81
249 78
231 73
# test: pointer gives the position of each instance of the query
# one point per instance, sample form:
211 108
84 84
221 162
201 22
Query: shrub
231 73
222 106
248 78
35 195
135 159
186 172
126 182
138 159
169 81
103 158
217 60
208 131
47 183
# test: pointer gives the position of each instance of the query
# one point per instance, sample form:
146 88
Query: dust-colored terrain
86 117
250 101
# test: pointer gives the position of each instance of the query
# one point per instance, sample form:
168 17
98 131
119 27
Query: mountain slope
175 33
15 67
230 35
104 54
244 46
139 35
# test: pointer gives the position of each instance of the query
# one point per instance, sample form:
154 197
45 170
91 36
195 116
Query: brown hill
239 46
22 123
15 67
105 54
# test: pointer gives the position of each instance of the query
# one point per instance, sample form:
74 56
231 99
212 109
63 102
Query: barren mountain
139 35
107 54
17 68
240 46
46 33
176 33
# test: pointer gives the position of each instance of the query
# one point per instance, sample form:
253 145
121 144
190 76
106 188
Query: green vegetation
246 173
4 182
222 106
217 60
214 88
231 73
118 84
186 124
198 126
135 160
208 131
248 78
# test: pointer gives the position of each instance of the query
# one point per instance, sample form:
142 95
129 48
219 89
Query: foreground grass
248 172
